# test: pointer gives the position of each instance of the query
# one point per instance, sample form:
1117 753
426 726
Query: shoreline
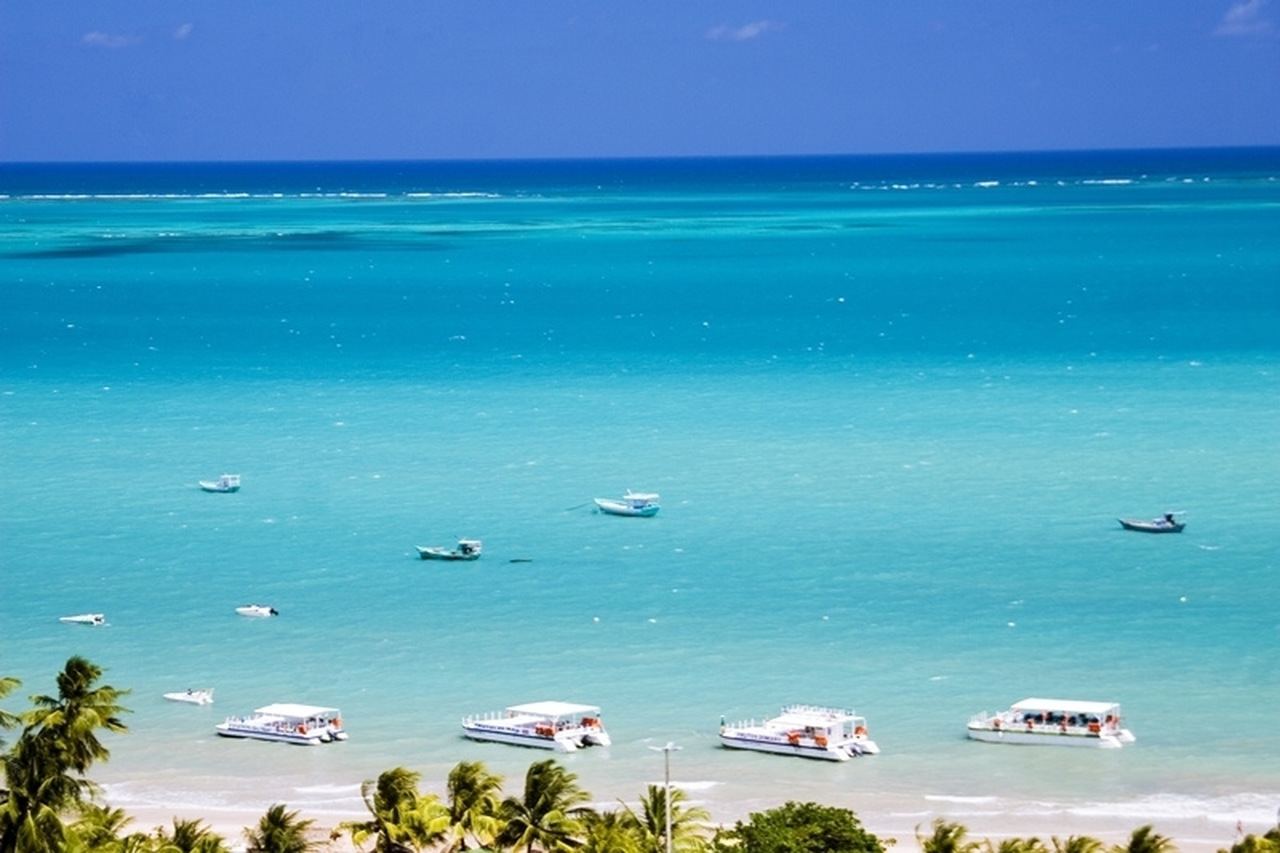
1192 833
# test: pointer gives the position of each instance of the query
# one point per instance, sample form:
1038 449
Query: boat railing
818 710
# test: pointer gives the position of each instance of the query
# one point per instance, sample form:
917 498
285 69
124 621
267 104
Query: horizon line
648 157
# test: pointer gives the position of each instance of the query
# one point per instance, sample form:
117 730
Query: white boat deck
1053 722
806 731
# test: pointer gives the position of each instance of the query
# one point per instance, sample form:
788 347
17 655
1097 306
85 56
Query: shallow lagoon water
893 420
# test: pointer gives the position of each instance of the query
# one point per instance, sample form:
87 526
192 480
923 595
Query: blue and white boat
303 725
562 726
805 731
641 504
226 484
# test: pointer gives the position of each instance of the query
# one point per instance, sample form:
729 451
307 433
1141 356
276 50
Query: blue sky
427 79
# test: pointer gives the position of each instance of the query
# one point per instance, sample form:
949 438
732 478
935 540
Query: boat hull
295 738
206 486
1151 527
1051 736
570 741
92 619
618 508
442 554
799 750
194 697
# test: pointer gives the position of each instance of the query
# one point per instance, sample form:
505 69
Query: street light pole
667 750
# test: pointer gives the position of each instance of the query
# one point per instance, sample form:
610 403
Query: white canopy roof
812 715
553 709
1068 706
288 709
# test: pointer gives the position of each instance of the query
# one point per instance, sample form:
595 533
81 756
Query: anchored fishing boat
562 726
1054 722
807 731
259 611
225 484
468 549
1165 524
304 725
640 504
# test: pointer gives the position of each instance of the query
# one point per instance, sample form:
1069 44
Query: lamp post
666 760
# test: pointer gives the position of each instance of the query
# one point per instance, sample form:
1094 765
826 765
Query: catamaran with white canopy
807 731
1054 722
305 725
562 726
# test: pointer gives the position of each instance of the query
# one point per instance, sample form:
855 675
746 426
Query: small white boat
257 610
807 731
468 549
1164 524
1054 722
95 619
192 697
304 725
640 504
225 484
562 726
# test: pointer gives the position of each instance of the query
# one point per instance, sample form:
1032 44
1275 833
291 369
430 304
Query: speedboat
226 484
304 725
192 697
1054 722
562 726
257 610
807 731
95 619
641 504
468 549
1165 524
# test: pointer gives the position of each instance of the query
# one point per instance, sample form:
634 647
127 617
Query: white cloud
111 40
1245 19
183 31
746 32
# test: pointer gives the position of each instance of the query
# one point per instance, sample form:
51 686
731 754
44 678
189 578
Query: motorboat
1054 722
468 549
562 726
807 731
304 725
192 696
1164 524
94 619
641 504
257 610
226 484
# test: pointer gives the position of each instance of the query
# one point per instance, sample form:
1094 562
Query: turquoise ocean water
893 406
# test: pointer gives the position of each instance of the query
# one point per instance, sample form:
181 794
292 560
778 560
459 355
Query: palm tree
279 831
99 827
546 816
189 836
611 832
73 717
7 720
1017 845
45 768
1077 844
947 838
1146 840
401 820
688 824
473 803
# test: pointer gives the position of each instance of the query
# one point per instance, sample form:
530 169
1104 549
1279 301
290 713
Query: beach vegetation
401 818
1077 844
279 831
947 837
548 815
689 833
188 836
44 769
474 798
1145 839
613 831
798 828
1016 845
1268 843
